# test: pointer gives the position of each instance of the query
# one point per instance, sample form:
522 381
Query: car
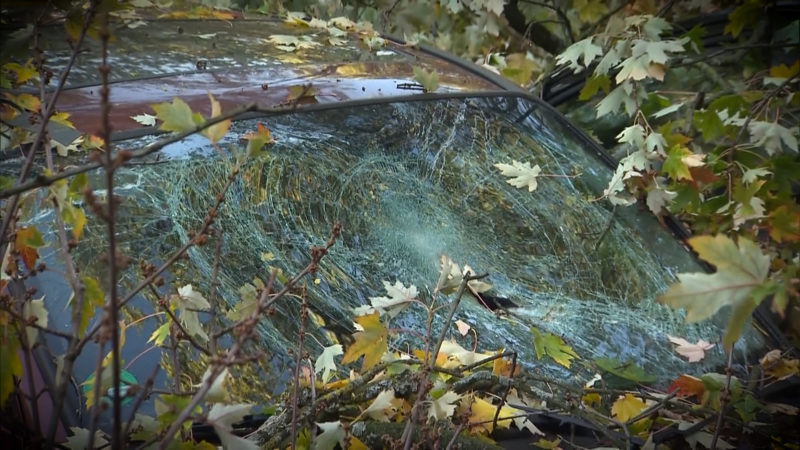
430 163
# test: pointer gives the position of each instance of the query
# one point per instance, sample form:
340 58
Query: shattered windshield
412 181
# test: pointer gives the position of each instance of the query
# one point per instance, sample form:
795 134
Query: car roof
251 61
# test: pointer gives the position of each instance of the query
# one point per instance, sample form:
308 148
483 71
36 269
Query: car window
412 181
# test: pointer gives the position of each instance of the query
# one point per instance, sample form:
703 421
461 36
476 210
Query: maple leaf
585 49
177 116
80 439
740 270
188 301
28 239
692 352
371 343
332 434
687 386
222 417
675 163
290 43
633 135
325 362
300 91
552 346
444 406
776 366
398 298
34 309
93 297
160 334
770 135
463 327
381 408
627 407
21 73
482 414
633 163
519 68
218 391
145 119
590 10
594 84
657 198
458 355
619 96
257 139
428 79
633 68
520 174
217 131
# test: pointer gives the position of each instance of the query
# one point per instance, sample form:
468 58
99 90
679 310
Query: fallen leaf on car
693 352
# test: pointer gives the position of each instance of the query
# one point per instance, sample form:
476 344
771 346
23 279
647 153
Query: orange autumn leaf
687 386
28 239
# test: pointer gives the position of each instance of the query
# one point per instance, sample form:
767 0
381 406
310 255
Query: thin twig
723 399
298 361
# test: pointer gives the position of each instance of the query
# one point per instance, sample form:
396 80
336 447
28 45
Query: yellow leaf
782 71
482 415
627 407
25 101
21 73
216 132
592 399
371 343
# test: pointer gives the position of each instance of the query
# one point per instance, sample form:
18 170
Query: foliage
727 167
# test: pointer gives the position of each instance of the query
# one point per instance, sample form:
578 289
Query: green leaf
428 79
160 334
746 15
593 84
674 165
519 68
520 174
256 140
10 362
93 297
740 270
707 121
552 346
590 10
371 343
625 370
177 116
